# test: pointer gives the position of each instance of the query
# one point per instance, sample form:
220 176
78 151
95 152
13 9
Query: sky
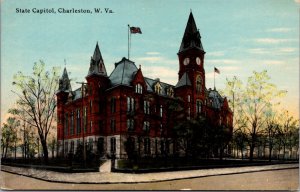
239 37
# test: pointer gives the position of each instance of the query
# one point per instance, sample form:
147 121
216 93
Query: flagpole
214 79
128 40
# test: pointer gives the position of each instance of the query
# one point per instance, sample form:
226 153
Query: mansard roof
123 73
184 81
151 82
191 37
64 82
97 66
216 99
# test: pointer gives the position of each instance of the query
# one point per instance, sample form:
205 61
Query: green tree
9 136
37 100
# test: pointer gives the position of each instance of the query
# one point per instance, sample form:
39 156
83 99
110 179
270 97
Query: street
287 179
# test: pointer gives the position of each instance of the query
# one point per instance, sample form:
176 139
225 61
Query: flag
135 30
217 70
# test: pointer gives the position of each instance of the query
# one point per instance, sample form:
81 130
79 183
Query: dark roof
191 37
151 82
64 82
184 81
123 73
97 66
216 98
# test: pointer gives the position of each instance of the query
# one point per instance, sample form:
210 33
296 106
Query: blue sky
239 36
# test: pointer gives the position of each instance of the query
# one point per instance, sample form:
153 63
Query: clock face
186 61
198 61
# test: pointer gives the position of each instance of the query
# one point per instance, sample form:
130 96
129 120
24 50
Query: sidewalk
94 178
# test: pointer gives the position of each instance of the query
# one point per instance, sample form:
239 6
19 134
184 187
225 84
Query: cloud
280 30
272 62
229 68
166 74
277 51
216 53
222 61
156 60
273 40
152 53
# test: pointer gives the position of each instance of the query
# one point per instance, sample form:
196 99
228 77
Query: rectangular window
189 113
146 126
66 126
147 146
130 124
91 105
113 145
90 144
84 119
113 105
146 107
100 146
91 126
78 122
101 126
113 125
66 148
189 98
72 124
198 107
161 111
72 147
130 104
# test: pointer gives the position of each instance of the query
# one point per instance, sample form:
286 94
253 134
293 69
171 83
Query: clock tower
191 68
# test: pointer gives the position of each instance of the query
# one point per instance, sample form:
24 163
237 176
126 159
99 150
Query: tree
9 136
252 103
240 139
37 100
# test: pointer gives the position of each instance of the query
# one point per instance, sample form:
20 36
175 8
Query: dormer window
170 92
139 88
157 88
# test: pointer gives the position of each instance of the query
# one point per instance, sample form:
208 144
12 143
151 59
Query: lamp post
82 127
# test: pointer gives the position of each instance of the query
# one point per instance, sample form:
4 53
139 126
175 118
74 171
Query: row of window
157 89
89 145
69 122
164 145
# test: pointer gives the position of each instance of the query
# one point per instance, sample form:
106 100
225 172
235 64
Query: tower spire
97 64
191 37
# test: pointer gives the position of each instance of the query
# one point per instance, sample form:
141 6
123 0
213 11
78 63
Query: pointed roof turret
184 81
191 37
97 64
64 82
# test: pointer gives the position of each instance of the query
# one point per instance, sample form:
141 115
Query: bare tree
37 100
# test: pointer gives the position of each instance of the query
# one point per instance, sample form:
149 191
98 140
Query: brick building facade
110 109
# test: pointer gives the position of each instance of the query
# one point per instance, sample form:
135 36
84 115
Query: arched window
170 92
199 84
139 88
157 88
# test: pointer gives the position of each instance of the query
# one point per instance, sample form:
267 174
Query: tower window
198 107
113 125
66 125
139 88
198 84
